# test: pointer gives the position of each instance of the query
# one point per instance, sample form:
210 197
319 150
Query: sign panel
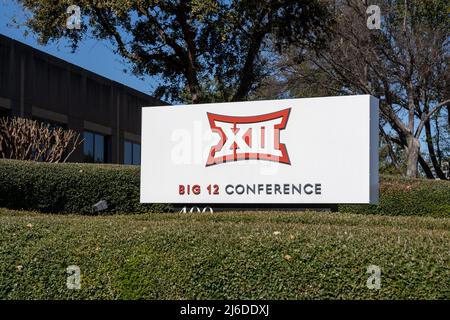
311 151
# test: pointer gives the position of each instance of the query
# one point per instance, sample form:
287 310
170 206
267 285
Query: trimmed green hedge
407 196
70 188
74 188
233 255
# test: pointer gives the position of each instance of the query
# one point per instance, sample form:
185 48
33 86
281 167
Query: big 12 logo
250 137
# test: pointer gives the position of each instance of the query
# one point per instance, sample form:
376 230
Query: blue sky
93 55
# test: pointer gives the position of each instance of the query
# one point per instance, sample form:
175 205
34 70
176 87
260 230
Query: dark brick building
107 114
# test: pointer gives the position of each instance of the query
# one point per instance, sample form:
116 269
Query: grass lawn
258 255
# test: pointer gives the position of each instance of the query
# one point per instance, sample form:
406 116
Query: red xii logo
246 138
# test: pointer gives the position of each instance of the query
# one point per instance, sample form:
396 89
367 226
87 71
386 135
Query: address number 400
197 210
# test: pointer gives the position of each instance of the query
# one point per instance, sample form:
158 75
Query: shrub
25 139
74 188
232 255
407 196
70 187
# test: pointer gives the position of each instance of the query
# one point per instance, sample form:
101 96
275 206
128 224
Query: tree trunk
413 149
434 160
448 115
195 96
426 168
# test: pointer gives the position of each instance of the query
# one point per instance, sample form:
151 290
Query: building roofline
73 67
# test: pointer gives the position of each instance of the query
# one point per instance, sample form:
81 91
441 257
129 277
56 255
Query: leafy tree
203 50
405 64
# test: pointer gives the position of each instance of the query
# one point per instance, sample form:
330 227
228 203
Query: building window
94 147
132 153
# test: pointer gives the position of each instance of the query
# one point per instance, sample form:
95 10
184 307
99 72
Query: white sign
317 150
